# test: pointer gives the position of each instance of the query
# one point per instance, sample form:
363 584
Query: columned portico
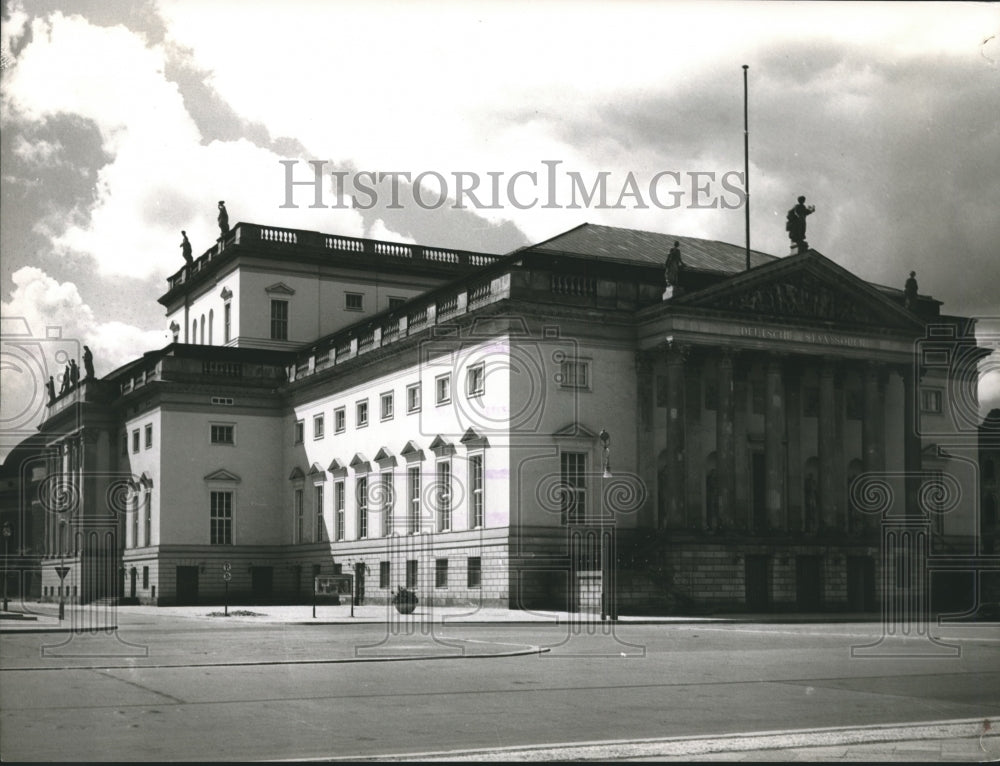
774 445
725 449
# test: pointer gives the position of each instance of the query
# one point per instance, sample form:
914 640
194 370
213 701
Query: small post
227 599
314 598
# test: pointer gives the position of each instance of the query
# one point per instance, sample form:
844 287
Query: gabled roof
804 286
650 248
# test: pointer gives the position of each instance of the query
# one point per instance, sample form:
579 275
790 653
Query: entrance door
809 583
860 584
261 582
759 499
131 582
757 591
187 585
297 583
359 583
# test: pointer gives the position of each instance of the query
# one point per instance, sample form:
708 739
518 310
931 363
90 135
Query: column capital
675 350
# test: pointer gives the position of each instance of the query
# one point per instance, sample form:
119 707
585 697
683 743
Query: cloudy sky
124 122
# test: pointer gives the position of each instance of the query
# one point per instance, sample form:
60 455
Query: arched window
211 321
202 341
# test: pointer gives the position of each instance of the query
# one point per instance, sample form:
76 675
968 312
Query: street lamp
606 584
62 570
6 564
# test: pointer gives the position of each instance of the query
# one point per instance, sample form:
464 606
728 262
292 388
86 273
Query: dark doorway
758 594
297 583
758 521
187 585
359 583
261 583
860 584
131 582
809 583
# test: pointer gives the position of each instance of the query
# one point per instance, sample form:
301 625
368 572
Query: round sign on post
226 566
227 576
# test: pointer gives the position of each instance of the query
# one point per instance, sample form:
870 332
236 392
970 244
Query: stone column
795 459
872 428
645 446
826 437
675 472
694 453
774 444
725 447
911 439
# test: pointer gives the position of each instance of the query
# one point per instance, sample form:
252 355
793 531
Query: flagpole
746 161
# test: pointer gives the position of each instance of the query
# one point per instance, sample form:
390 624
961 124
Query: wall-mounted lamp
605 438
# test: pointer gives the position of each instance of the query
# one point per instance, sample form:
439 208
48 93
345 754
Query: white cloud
379 230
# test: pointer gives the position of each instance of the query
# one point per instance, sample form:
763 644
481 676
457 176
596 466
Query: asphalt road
184 700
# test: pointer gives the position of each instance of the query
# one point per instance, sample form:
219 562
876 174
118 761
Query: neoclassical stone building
527 430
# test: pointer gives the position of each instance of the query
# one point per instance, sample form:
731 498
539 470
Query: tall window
227 318
442 389
149 435
300 431
202 341
354 301
387 406
413 495
574 374
574 489
147 516
222 518
361 414
319 426
279 320
386 503
475 380
320 527
211 323
135 440
475 569
444 495
299 518
441 573
930 400
383 574
339 420
413 398
338 503
361 490
475 491
222 434
135 522
411 573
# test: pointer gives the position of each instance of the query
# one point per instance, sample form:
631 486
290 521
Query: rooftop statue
223 219
796 224
910 292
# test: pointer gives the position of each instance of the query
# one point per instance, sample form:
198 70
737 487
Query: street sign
334 585
227 576
62 572
226 566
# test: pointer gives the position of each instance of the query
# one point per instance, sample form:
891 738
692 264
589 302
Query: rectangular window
135 440
383 575
135 522
300 521
300 431
361 414
339 420
149 435
413 493
395 303
354 301
475 491
361 494
279 320
475 380
413 398
222 518
387 503
319 426
145 578
444 495
442 389
930 400
441 573
147 523
387 406
572 470
227 320
222 434
475 576
338 502
411 573
320 526
574 374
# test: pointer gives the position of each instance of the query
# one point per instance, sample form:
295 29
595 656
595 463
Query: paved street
173 687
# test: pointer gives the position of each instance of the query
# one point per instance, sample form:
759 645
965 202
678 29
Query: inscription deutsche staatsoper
802 336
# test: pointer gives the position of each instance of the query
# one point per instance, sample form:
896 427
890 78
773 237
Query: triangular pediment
223 475
281 288
805 287
360 463
575 431
337 466
440 446
316 469
297 473
411 452
473 439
